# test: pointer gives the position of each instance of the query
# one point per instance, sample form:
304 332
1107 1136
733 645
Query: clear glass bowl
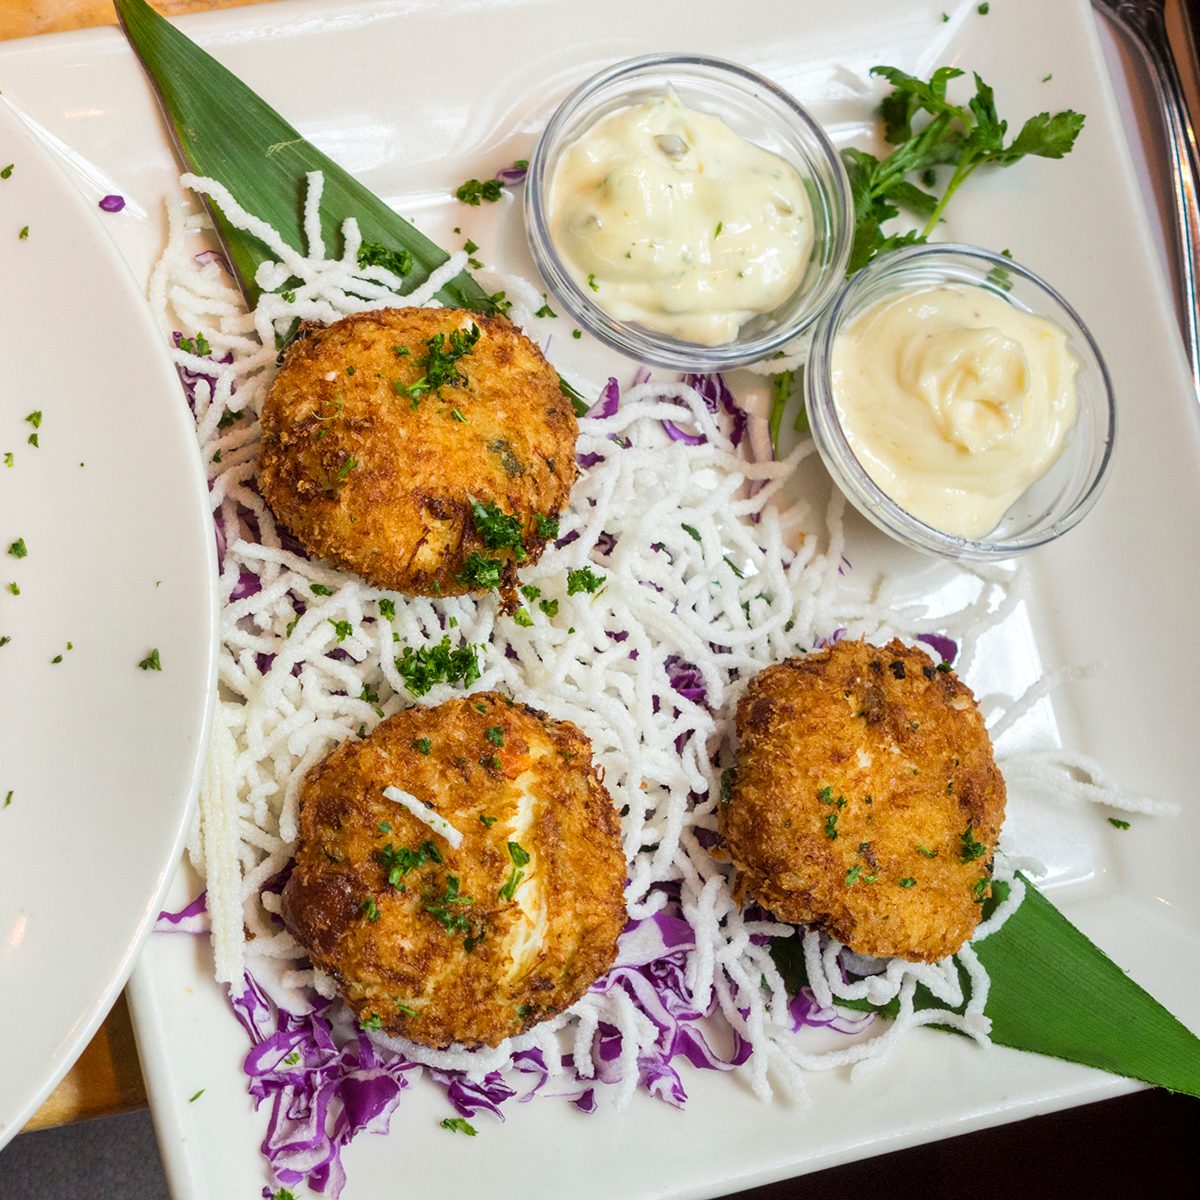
761 113
1050 505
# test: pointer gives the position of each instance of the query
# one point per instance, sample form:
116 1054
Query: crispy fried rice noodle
711 571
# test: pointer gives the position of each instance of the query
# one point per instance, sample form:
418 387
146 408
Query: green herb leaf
497 529
481 573
459 1125
474 190
583 579
518 854
18 548
422 668
151 662
373 254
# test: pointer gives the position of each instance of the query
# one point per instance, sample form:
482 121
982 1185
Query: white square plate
416 95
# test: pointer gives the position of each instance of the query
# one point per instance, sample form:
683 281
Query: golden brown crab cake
382 433
474 944
866 800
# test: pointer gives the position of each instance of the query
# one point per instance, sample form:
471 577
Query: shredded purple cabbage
686 679
511 176
112 203
192 918
190 378
207 256
715 393
324 1091
940 644
823 643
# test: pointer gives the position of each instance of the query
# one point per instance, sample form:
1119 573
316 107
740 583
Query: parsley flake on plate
152 661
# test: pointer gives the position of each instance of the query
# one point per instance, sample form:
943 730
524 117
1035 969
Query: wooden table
107 1078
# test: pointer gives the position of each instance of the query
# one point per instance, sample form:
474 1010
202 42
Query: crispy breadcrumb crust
866 801
406 969
381 482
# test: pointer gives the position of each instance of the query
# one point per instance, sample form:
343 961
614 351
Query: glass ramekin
761 113
1049 506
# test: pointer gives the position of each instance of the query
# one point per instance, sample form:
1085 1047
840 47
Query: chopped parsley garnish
387 608
984 9
518 854
8 458
509 890
1117 823
488 822
522 618
691 531
406 1010
5 640
15 589
530 591
151 662
545 311
35 418
474 190
193 1099
547 526
964 136
369 909
593 284
384 827
497 529
372 1022
283 1194
499 302
319 589
349 465
481 573
549 607
457 414
469 246
577 334
852 876
23 236
422 668
228 417
372 254
198 345
422 745
831 825
343 629
491 762
441 362
400 861
440 908
495 735
727 779
925 850
584 579
971 849
18 548
717 231
8 798
979 889
6 173
459 1125
907 882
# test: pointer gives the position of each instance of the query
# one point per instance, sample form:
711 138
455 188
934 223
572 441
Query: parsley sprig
965 137
442 355
426 666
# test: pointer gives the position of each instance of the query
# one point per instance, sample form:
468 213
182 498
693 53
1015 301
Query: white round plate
99 761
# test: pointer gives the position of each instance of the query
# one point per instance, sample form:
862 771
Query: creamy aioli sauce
673 221
954 401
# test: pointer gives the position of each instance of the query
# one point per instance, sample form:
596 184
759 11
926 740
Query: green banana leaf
1054 992
224 130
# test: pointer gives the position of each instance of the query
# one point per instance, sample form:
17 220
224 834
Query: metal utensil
1144 24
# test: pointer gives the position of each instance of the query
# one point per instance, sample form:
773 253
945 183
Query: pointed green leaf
1054 992
225 131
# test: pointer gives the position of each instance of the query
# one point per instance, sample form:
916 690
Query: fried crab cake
429 450
866 800
469 945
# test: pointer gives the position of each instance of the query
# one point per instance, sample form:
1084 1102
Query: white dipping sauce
673 221
954 401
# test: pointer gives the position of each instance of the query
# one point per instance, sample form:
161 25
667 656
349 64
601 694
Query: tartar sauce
673 221
954 401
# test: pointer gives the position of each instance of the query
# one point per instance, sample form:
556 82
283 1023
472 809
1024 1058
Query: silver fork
1144 24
